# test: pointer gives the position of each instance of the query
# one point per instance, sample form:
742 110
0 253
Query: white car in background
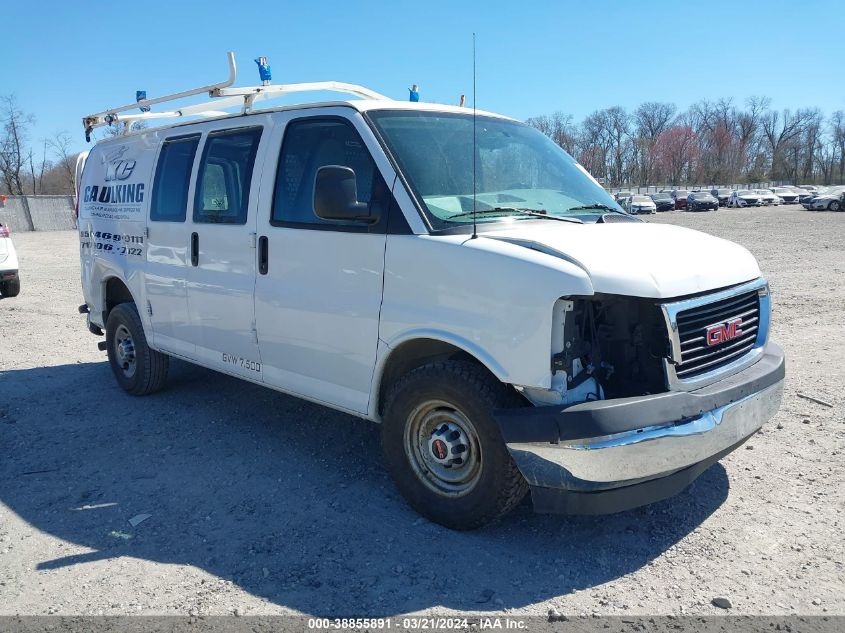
786 194
639 204
745 198
803 194
10 282
768 197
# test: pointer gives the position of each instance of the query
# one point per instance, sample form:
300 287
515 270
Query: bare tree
651 119
13 144
712 142
837 133
60 145
782 130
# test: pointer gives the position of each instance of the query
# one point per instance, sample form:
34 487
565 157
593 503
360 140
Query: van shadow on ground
240 479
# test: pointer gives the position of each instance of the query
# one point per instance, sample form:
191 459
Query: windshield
641 199
517 169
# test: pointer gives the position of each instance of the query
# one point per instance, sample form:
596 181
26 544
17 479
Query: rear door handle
263 255
195 249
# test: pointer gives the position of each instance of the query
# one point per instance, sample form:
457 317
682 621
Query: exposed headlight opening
619 342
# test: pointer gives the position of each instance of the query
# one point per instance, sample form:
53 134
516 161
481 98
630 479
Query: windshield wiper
531 212
596 205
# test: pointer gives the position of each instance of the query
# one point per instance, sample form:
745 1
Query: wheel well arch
115 292
414 353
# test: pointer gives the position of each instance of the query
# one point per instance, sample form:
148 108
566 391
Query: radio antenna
474 225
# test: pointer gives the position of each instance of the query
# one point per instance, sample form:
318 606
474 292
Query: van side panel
113 205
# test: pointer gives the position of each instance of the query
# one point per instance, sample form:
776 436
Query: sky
62 61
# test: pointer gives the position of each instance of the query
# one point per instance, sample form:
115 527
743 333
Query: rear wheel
11 288
444 449
138 368
834 205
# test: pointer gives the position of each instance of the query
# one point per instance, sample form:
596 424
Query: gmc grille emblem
724 332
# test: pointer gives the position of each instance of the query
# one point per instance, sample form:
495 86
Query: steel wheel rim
424 427
124 351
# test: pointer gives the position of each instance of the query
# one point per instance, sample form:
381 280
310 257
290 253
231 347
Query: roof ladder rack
220 95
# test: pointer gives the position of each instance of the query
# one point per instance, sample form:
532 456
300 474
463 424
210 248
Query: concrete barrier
39 213
15 215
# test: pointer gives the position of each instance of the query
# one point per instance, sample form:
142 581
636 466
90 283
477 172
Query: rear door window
224 177
173 176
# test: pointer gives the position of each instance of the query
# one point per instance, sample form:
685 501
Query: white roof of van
361 105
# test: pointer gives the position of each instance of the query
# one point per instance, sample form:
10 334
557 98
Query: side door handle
263 255
195 249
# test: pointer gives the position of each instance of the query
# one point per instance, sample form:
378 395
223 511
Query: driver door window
308 145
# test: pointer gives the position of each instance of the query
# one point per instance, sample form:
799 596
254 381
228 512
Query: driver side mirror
336 196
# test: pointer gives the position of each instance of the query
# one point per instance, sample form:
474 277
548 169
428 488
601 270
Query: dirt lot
266 504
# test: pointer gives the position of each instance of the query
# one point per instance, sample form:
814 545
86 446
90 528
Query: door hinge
149 308
252 240
254 333
146 231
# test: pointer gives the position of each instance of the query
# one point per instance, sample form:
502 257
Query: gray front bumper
619 445
648 452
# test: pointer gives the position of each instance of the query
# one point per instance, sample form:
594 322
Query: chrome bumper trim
645 453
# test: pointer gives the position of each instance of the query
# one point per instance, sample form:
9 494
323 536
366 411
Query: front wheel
444 449
11 288
835 205
138 368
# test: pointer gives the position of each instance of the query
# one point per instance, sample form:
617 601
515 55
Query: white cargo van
546 341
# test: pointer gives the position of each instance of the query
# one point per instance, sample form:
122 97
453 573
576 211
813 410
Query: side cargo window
173 175
308 145
225 173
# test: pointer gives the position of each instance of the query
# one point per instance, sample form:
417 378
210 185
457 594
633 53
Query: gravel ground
266 504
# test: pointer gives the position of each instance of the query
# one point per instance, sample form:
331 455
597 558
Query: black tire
834 205
147 371
11 288
473 392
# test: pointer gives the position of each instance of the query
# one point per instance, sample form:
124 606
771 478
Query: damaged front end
605 347
617 429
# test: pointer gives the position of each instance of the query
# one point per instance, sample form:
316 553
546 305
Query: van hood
638 258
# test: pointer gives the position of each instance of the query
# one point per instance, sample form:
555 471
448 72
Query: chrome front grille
714 335
697 355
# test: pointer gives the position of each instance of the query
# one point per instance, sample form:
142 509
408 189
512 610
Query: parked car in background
811 188
745 198
638 204
786 194
722 195
702 201
769 198
803 195
663 201
680 196
621 195
831 201
10 281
